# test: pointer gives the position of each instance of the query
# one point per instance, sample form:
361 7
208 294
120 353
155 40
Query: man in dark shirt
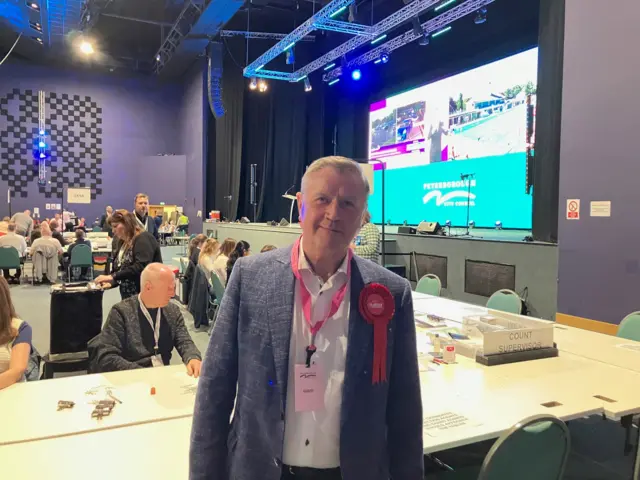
53 224
141 207
80 240
142 330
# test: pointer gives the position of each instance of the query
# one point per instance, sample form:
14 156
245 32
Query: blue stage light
377 61
42 155
338 12
334 81
384 57
356 74
42 144
329 67
379 39
41 132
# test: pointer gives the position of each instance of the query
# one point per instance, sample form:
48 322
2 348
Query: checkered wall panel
74 129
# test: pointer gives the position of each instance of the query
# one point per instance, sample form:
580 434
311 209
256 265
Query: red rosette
377 306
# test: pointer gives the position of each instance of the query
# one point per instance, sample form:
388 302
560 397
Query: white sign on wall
601 209
78 195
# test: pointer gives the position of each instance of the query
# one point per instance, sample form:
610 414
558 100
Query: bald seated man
142 330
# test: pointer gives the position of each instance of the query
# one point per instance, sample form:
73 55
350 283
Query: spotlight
41 132
338 12
37 39
290 57
334 81
262 86
307 85
33 6
378 39
329 67
86 47
472 223
498 225
440 32
36 26
158 58
253 83
481 16
419 31
42 144
356 74
42 155
384 58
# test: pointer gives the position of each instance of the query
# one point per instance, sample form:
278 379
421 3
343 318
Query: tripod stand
468 177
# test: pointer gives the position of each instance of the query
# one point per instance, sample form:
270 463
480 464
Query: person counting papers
142 330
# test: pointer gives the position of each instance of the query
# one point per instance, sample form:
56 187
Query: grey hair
341 164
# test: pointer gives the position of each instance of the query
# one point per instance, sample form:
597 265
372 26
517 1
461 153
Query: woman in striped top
15 340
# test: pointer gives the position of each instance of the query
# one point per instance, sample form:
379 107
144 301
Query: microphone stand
466 176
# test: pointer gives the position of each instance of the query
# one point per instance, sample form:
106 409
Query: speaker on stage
429 228
406 229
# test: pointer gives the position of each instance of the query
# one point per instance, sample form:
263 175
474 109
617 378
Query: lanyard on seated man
156 360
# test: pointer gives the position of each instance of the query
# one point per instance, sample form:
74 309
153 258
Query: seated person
142 330
35 234
15 341
268 248
80 240
55 233
242 250
48 269
12 239
208 254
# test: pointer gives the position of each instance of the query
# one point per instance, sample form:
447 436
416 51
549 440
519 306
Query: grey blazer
381 425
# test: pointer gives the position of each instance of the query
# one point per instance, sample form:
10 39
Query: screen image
461 141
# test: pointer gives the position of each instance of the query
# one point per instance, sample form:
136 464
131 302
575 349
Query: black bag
76 317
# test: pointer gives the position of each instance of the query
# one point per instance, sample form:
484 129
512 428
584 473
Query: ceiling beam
139 20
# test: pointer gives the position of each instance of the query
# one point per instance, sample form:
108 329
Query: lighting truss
262 35
428 27
403 15
181 27
303 30
344 27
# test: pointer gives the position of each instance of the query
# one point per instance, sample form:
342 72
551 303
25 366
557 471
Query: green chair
96 229
81 256
629 327
506 301
429 284
9 258
535 448
218 291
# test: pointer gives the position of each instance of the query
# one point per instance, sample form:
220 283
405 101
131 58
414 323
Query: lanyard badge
156 327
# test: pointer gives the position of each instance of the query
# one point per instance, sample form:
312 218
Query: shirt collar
303 263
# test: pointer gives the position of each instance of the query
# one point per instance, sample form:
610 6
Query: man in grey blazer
319 392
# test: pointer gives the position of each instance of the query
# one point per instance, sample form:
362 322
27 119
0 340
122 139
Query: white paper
36 211
58 206
47 206
630 346
434 425
601 209
573 209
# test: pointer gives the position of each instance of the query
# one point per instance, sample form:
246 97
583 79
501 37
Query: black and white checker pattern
74 134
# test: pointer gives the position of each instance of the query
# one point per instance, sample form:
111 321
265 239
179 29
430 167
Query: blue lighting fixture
498 225
338 12
481 16
289 56
384 57
33 6
329 67
307 85
379 60
356 74
43 155
42 145
379 39
334 81
259 68
440 32
289 46
445 4
41 132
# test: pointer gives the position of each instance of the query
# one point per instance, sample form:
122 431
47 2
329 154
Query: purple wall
192 126
599 268
164 179
138 118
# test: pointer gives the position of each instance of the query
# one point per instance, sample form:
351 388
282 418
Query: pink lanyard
336 300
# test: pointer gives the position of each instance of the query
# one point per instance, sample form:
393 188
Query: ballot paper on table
445 422
635 347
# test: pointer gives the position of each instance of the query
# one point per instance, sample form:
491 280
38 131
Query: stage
490 260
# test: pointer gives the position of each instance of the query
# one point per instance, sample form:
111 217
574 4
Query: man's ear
300 205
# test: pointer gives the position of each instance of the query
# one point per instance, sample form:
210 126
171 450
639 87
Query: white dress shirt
16 241
312 439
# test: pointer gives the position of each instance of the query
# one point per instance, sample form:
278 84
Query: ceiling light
356 74
33 6
334 81
307 84
253 83
86 47
290 57
36 26
38 39
329 67
379 39
444 30
262 86
445 4
481 16
384 57
158 58
338 12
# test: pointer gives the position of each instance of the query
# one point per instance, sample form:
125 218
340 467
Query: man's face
142 206
109 211
332 207
162 290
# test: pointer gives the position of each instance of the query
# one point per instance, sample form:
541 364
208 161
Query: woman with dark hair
136 249
15 340
242 250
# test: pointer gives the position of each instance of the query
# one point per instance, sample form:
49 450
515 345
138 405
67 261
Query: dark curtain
546 169
283 133
228 143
